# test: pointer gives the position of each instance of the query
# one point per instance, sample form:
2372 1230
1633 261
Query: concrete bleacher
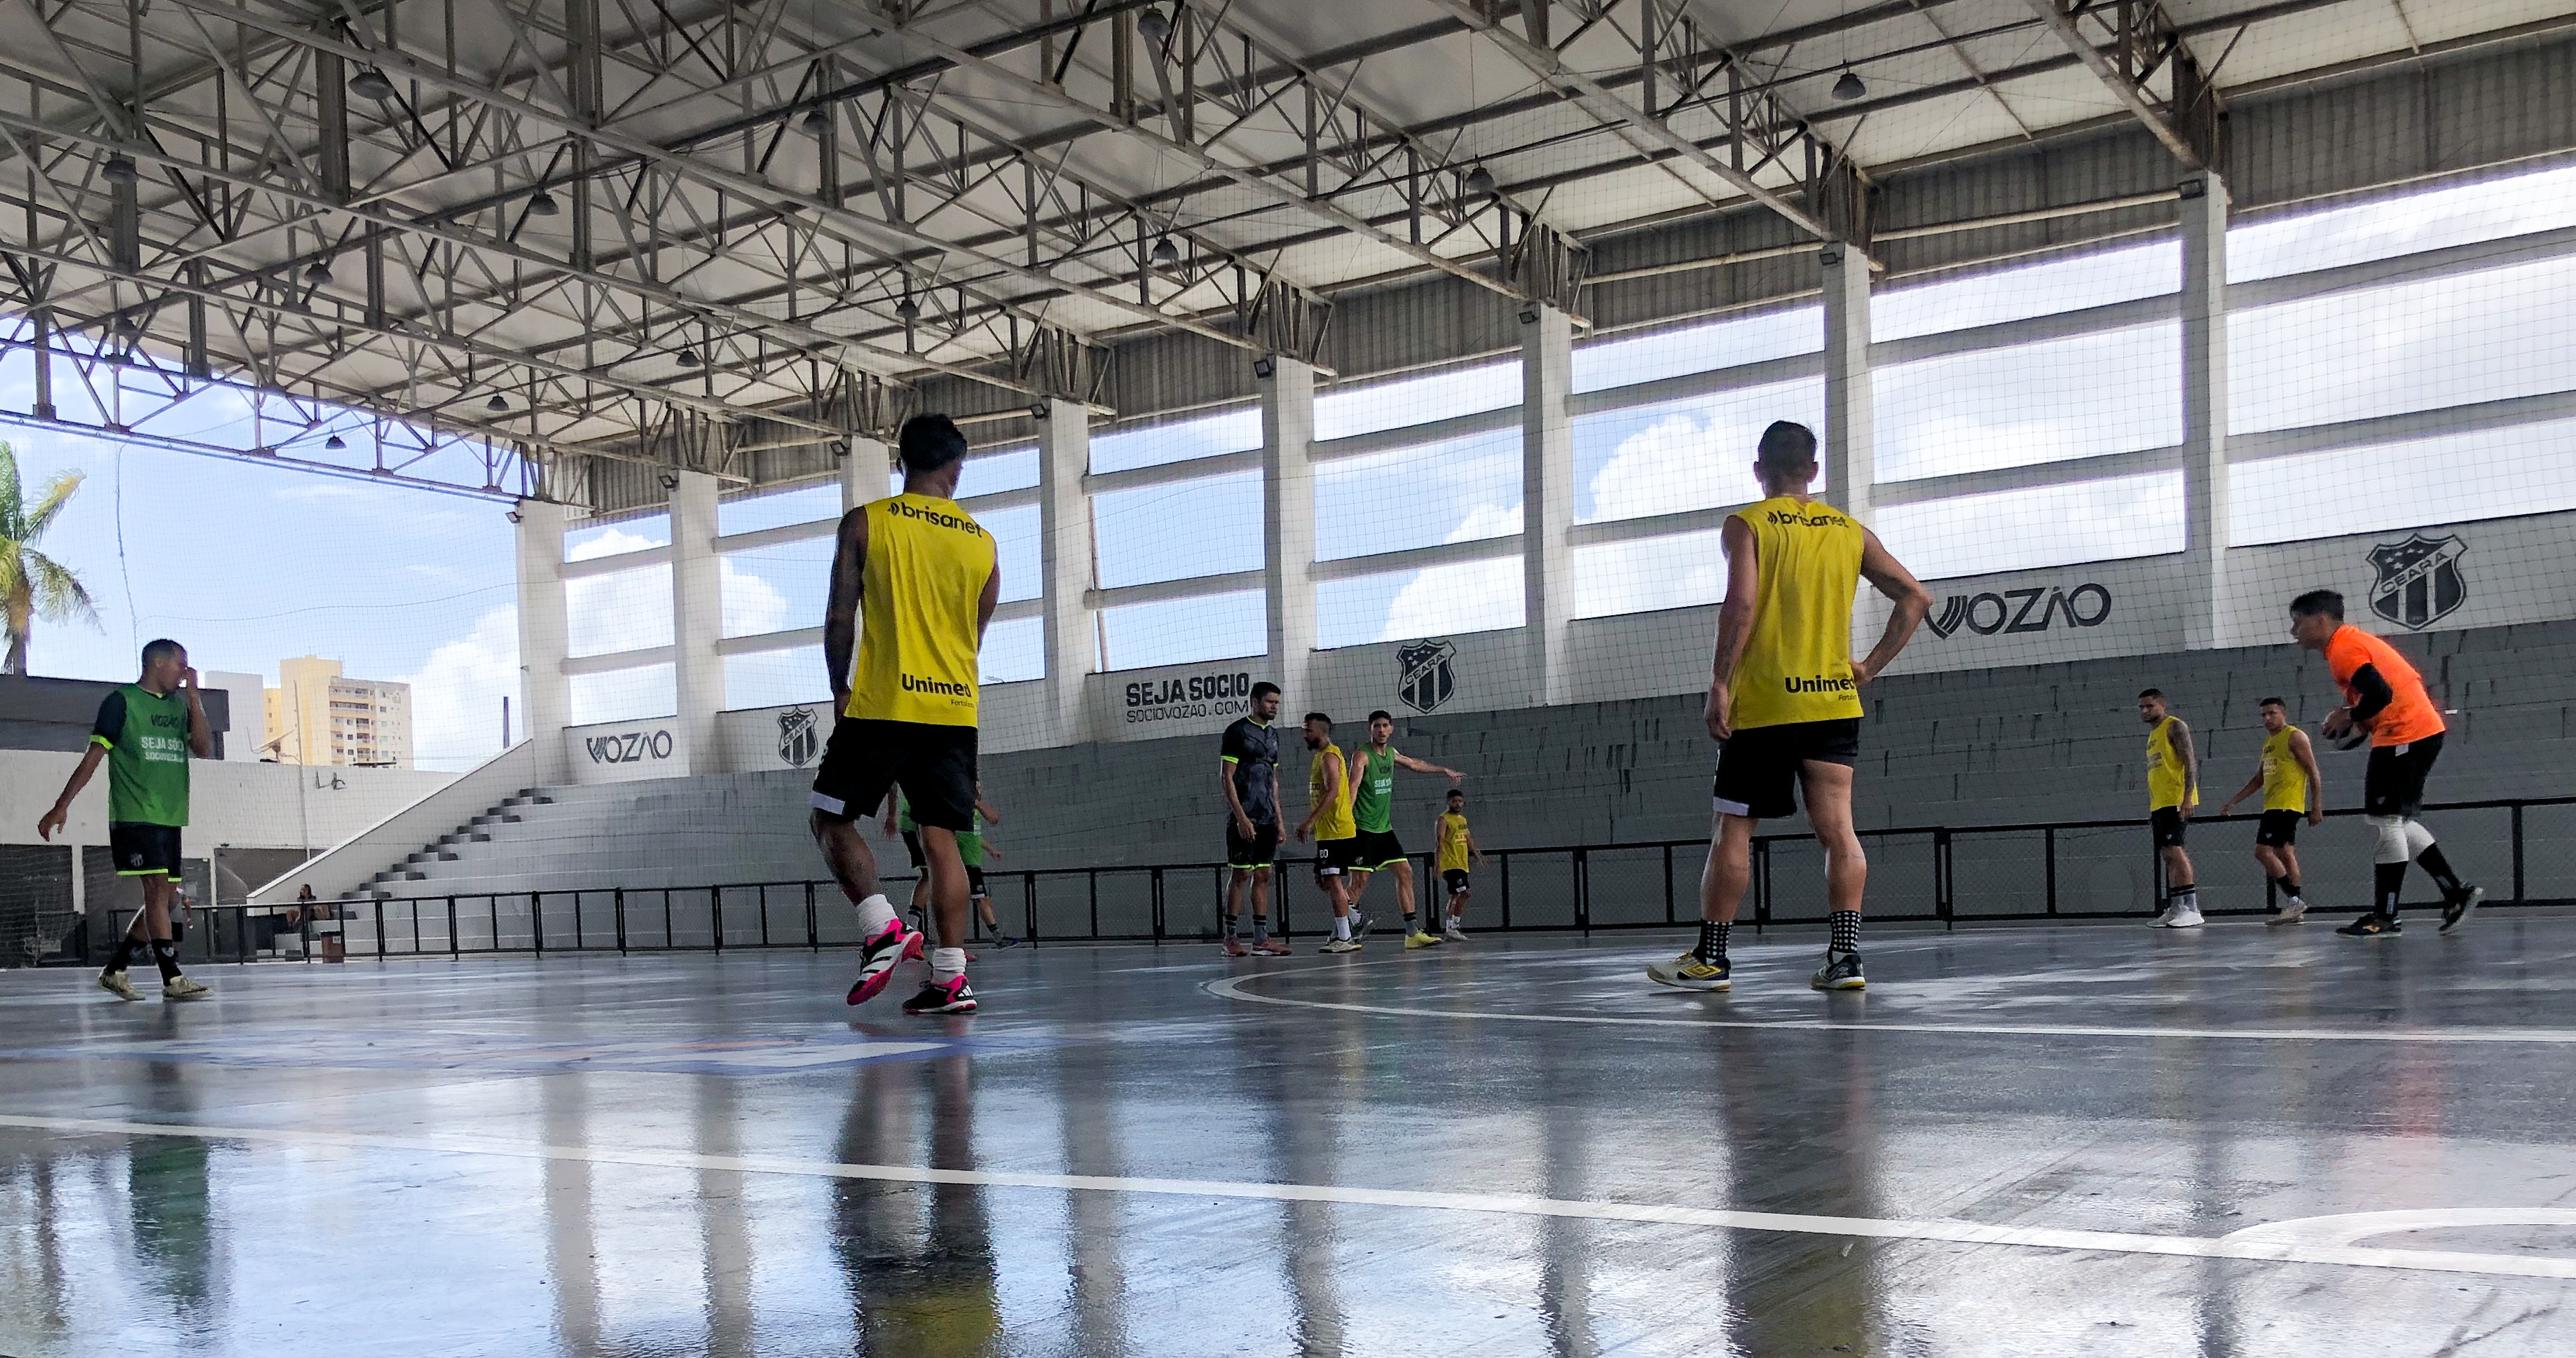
1963 748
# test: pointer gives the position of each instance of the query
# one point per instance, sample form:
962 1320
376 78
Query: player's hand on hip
1862 673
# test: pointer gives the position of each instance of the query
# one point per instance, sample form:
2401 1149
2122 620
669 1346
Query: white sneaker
1454 934
2179 917
2290 914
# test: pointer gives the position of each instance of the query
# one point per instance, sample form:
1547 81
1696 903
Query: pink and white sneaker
877 957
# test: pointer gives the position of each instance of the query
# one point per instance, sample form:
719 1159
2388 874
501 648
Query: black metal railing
2523 850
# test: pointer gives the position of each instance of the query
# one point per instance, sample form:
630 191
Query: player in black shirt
1251 780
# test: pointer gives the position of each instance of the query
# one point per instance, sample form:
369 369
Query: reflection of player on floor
2291 787
1457 846
2384 696
1373 813
1784 700
1248 771
913 586
145 732
1328 818
2173 793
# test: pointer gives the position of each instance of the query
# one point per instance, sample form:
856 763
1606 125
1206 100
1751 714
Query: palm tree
32 584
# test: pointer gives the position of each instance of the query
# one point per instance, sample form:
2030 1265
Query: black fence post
1761 882
380 929
1093 874
620 902
1507 888
2517 853
1668 885
451 929
1941 884
1583 890
537 920
670 939
715 915
2049 856
1029 899
764 914
1279 895
1156 897
813 931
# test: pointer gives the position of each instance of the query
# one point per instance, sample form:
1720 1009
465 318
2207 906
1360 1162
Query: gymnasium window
1455 490
1677 570
1706 347
1183 631
2121 516
1178 530
1467 596
1694 453
2048 401
1345 412
1995 295
1228 431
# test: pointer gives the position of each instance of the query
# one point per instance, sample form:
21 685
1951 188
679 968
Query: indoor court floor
2087 1139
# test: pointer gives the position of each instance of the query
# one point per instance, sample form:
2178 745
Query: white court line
1231 988
1955 1232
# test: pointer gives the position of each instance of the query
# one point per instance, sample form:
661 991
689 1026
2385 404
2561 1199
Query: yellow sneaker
114 983
1687 972
1419 939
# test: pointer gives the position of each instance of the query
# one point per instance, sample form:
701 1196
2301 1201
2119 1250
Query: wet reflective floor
2081 1140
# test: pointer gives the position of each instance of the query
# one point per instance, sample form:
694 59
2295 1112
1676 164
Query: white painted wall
257 806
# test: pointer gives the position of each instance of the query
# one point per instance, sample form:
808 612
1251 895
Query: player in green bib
1373 811
971 848
145 732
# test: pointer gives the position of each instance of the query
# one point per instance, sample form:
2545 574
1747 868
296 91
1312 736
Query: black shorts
912 846
1256 852
2392 784
2167 827
934 765
2280 829
144 850
1455 879
1374 849
1333 857
1757 769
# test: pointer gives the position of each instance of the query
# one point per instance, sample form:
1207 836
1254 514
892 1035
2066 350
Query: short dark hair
1381 712
2274 702
2146 693
1313 717
2317 601
159 647
1457 792
930 442
1263 689
1788 445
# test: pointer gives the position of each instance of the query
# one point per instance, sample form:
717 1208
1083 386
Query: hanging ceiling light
1166 254
1849 87
371 84
1155 25
688 358
498 405
543 204
125 326
318 272
335 443
119 169
1480 182
818 123
907 311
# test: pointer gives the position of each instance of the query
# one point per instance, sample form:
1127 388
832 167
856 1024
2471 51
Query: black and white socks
1712 940
1845 936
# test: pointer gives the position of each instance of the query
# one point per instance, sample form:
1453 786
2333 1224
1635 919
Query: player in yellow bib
2292 788
1329 820
1457 846
2173 793
1784 699
913 584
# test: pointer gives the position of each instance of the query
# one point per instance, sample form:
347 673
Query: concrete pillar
697 620
1547 499
2204 405
545 695
1064 549
864 472
1851 417
1288 522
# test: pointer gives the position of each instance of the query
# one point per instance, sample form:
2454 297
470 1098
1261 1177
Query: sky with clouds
249 564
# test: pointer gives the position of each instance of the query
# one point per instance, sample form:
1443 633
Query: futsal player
2173 793
2292 787
971 848
145 732
1373 812
1784 699
1457 845
913 585
1328 818
1248 770
2384 696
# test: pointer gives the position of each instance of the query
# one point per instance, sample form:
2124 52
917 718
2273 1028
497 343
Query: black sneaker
1359 926
952 996
1839 973
2458 906
2373 924
877 957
